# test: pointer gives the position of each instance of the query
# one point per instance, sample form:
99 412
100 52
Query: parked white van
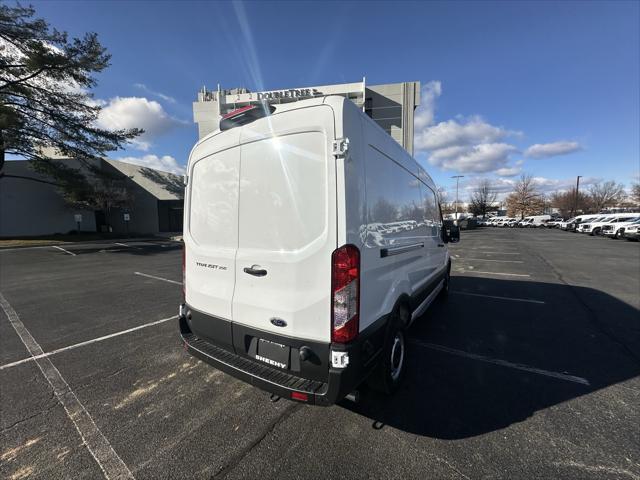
283 286
538 220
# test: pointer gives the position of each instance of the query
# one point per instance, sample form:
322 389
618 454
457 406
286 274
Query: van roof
338 104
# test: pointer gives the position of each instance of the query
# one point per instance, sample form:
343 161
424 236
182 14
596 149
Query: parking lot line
99 447
502 363
157 278
496 253
498 273
490 260
87 342
511 299
64 250
125 245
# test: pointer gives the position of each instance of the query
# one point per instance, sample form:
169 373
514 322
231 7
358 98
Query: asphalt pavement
529 369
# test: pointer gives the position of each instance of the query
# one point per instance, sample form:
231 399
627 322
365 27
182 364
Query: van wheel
390 371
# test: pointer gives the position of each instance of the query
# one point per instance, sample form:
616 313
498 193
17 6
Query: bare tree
566 202
482 198
384 211
635 193
606 194
525 199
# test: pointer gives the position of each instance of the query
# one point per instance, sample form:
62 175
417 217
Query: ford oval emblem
278 322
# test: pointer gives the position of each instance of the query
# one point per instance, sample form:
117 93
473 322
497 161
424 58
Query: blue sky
547 88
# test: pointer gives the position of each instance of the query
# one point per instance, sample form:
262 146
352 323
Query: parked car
616 228
564 225
513 222
588 225
496 221
632 232
503 221
582 219
279 289
555 223
594 227
524 222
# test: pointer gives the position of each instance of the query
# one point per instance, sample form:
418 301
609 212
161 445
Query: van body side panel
402 248
287 226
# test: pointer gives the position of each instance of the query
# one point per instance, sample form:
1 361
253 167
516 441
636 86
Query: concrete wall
143 214
30 208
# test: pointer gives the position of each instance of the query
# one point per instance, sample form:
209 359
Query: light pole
457 177
575 205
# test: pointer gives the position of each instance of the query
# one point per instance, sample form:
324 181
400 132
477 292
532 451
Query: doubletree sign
291 93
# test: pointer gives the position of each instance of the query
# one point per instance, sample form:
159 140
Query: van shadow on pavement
450 396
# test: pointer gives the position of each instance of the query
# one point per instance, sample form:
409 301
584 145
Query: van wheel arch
383 378
401 311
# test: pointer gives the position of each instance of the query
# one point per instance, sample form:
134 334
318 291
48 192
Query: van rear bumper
327 391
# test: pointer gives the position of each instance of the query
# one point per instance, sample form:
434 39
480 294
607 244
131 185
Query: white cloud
546 150
164 97
166 163
509 171
464 144
425 113
482 158
473 130
137 112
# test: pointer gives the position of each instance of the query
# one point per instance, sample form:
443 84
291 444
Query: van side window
395 212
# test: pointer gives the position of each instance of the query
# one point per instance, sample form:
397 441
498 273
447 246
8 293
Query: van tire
391 369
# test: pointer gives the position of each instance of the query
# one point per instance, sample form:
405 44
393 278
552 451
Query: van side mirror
450 232
453 234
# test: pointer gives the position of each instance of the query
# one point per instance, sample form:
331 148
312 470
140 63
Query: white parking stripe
99 447
497 273
124 245
502 363
157 278
87 342
511 299
65 251
484 252
489 260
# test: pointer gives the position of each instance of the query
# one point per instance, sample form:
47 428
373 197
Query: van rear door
211 236
287 227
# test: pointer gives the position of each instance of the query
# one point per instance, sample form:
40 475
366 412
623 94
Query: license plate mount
274 354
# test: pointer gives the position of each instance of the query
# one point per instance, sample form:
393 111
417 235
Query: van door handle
441 244
255 270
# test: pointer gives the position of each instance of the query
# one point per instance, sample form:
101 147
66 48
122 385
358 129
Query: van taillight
345 290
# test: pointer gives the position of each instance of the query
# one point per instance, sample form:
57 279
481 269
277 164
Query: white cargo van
285 287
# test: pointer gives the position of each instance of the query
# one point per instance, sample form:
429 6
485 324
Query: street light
457 177
575 205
